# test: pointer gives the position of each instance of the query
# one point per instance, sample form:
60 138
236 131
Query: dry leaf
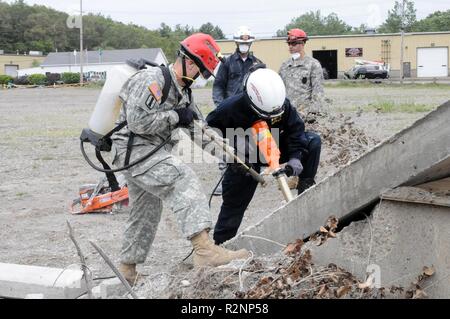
322 291
323 230
266 280
428 271
343 291
331 234
293 247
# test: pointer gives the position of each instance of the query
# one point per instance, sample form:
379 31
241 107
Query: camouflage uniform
304 84
163 177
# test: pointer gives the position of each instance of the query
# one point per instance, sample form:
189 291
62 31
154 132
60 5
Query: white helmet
266 93
243 35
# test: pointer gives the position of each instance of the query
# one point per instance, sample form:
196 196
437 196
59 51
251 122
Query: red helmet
297 35
204 51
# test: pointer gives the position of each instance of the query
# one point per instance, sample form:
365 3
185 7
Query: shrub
70 78
52 78
22 80
5 79
37 79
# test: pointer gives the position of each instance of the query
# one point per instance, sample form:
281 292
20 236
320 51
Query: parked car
367 71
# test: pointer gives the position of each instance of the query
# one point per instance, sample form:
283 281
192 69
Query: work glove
186 116
294 167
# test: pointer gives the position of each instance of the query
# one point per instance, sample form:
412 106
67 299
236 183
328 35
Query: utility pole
402 41
81 42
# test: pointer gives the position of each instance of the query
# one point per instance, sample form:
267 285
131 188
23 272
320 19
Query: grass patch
94 85
390 107
369 84
21 194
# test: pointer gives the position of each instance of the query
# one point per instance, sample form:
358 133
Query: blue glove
294 167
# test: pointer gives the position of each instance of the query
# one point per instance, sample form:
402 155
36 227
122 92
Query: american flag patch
155 90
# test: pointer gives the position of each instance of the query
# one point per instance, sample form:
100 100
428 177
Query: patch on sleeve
155 90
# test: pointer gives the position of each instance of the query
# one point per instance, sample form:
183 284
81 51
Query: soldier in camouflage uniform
303 76
164 178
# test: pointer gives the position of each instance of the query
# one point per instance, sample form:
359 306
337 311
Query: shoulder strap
142 63
167 83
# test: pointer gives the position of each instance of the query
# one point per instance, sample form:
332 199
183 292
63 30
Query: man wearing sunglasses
153 110
302 75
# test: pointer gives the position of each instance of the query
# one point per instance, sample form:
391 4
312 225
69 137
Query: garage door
11 70
432 62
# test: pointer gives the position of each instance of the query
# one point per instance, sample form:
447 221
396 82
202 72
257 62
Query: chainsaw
98 198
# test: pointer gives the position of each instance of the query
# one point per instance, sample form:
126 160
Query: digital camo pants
168 180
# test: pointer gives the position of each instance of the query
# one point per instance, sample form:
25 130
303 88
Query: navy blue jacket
230 77
235 112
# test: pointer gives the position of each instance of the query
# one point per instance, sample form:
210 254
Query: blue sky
263 17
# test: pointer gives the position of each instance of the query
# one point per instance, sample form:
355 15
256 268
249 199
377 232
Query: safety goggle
244 38
294 43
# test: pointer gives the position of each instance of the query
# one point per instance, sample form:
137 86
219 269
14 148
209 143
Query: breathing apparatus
107 109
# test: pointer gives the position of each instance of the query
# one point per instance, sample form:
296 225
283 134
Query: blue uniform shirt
230 77
235 112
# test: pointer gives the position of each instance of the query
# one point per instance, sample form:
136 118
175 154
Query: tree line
26 28
314 23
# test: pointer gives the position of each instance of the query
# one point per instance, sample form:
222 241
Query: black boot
304 184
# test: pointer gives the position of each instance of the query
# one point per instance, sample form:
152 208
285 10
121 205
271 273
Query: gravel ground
41 169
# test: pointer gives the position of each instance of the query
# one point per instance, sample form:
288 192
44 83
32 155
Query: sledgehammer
259 178
268 147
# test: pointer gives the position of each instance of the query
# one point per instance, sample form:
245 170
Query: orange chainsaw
98 198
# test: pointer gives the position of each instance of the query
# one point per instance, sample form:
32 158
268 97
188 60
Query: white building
96 63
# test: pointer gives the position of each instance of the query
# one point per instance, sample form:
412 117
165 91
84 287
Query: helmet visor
244 38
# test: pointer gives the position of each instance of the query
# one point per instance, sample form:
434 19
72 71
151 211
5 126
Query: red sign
353 52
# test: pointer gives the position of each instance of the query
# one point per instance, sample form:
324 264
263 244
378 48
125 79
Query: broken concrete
397 241
112 288
418 154
19 281
416 195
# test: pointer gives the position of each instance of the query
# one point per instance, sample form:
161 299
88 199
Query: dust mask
244 48
295 56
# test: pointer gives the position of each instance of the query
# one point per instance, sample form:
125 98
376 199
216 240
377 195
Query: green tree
212 30
313 23
40 28
435 22
393 23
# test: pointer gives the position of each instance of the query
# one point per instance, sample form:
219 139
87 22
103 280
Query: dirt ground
41 169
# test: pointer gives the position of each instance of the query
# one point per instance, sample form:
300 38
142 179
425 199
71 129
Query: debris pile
290 274
342 141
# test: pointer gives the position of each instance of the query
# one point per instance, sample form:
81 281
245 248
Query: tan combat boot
129 272
206 253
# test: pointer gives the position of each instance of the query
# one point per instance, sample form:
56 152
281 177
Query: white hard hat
266 93
244 35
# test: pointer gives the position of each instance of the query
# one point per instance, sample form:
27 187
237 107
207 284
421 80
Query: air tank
108 105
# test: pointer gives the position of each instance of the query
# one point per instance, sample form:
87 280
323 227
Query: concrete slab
399 241
20 281
418 154
112 288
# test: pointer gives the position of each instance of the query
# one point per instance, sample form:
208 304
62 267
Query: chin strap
187 80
